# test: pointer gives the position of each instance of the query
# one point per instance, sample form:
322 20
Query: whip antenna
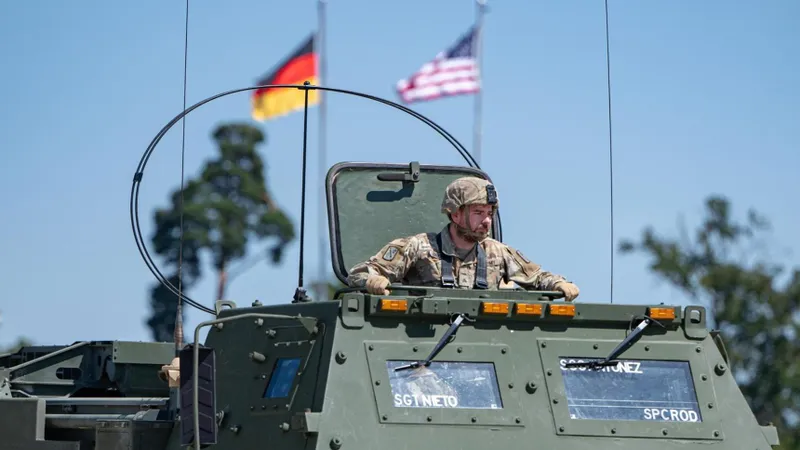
610 151
300 293
178 333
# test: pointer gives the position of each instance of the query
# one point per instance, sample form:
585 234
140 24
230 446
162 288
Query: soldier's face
480 218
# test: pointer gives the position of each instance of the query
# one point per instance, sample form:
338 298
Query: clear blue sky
706 100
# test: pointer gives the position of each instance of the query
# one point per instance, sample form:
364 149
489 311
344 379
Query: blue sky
705 95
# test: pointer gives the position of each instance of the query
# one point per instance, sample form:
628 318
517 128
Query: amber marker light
394 305
529 309
661 313
494 308
562 310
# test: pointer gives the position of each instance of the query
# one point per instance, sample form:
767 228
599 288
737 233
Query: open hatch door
370 204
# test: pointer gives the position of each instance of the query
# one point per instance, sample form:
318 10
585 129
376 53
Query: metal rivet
511 385
530 387
503 350
378 383
698 349
371 347
341 357
561 429
595 346
517 420
704 377
429 418
474 419
459 349
544 344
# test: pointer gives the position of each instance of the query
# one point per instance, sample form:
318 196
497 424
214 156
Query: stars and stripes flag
453 71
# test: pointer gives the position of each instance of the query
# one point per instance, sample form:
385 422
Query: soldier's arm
392 261
527 274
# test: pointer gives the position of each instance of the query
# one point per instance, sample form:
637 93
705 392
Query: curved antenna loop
138 175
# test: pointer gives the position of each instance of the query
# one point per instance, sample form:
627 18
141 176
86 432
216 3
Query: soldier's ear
457 213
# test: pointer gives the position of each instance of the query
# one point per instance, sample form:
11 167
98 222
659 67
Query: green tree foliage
755 311
13 348
227 207
21 342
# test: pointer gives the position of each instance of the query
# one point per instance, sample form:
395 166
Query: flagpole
323 81
477 113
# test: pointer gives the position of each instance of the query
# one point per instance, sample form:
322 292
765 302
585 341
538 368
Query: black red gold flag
299 67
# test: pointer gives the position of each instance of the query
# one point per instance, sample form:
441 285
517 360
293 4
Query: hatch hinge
412 175
306 422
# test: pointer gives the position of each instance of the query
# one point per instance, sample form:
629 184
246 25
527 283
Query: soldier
461 255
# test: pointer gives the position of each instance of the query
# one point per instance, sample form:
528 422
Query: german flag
299 67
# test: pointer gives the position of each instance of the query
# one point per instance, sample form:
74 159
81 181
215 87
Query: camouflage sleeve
527 274
392 261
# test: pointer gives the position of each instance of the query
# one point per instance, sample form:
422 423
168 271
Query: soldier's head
470 203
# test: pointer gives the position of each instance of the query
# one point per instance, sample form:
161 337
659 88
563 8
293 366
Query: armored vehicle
421 368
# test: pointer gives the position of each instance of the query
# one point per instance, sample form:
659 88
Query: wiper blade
440 345
621 347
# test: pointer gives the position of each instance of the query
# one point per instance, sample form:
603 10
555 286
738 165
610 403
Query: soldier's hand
376 284
570 290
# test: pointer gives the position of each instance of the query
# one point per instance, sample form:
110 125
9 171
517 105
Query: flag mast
480 9
322 290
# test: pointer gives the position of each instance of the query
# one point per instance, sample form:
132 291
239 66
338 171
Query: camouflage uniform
416 261
432 259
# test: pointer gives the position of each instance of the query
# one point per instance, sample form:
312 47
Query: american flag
452 72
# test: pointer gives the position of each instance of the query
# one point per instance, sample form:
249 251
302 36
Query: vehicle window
631 390
445 385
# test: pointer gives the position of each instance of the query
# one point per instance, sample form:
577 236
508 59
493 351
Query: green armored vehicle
421 368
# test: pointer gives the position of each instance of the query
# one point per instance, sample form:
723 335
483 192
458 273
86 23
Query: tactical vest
448 279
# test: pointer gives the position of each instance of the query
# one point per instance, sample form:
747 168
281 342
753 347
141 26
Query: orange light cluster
566 310
393 305
661 313
520 309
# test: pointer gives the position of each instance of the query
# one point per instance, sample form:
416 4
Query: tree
756 314
21 342
224 209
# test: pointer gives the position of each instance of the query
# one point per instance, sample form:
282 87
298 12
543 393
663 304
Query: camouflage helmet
468 191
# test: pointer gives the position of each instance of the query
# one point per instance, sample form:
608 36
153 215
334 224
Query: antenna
139 173
300 293
178 333
610 151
